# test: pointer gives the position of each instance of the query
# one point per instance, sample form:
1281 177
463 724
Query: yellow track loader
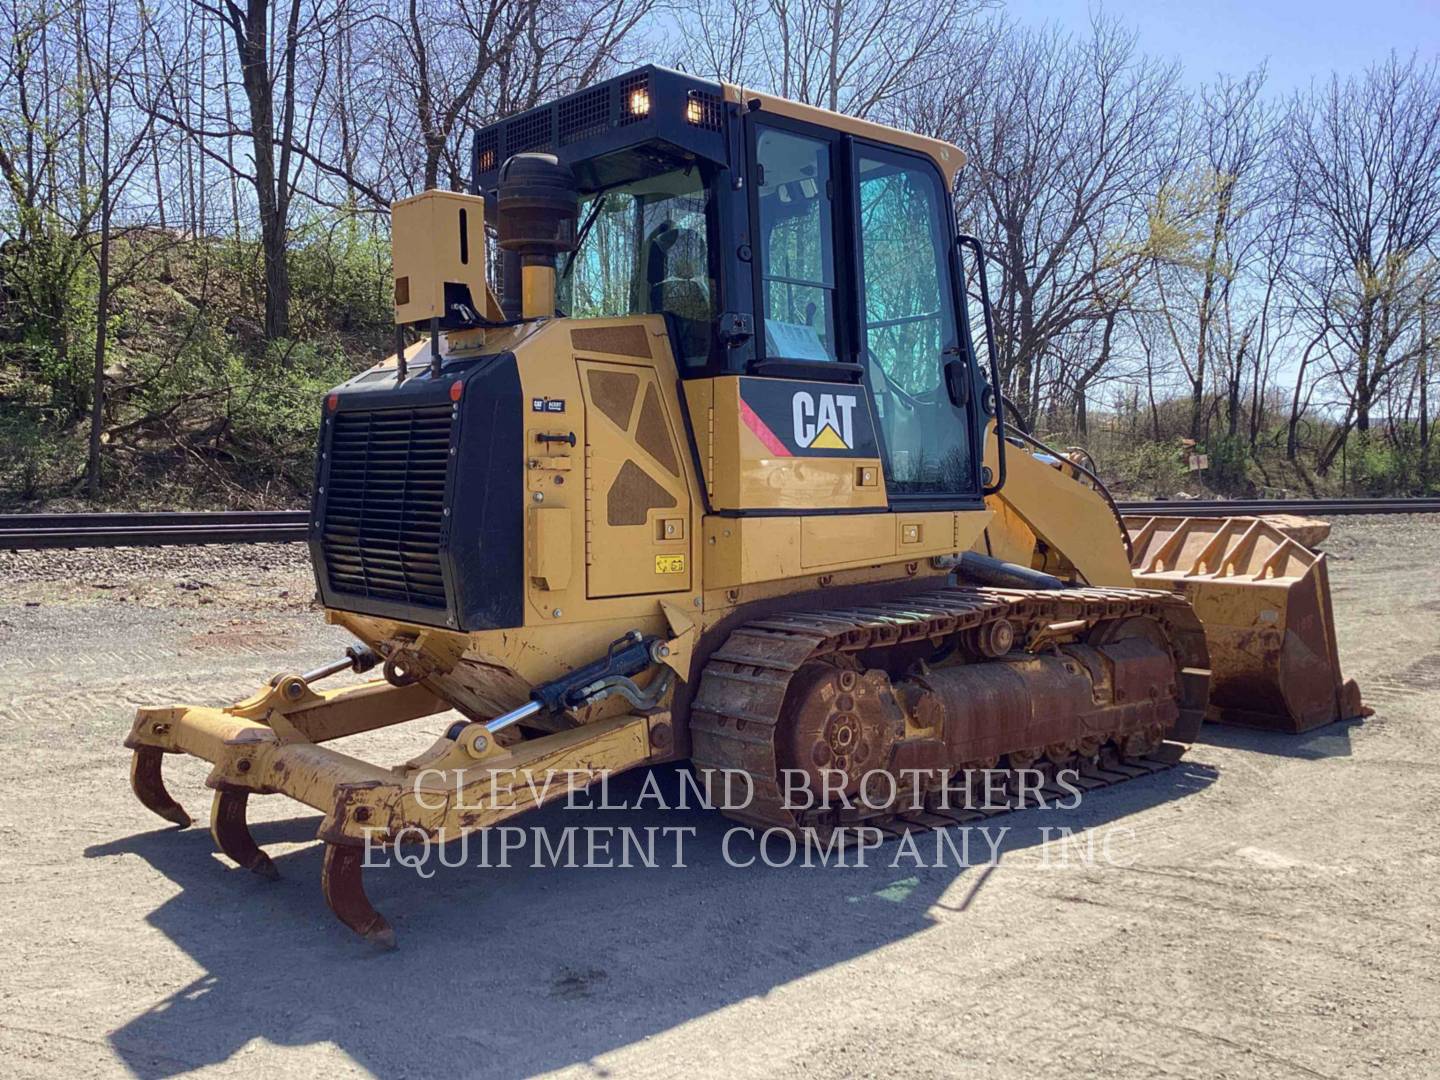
695 458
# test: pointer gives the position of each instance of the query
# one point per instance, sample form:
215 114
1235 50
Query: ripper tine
232 834
340 879
149 786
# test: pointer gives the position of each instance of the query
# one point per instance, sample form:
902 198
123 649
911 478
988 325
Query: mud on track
1275 915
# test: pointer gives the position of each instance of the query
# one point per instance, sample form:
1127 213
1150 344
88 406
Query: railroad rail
32 531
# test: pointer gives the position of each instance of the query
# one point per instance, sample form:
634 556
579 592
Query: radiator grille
385 504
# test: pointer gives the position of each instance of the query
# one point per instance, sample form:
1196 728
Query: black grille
385 504
704 111
584 114
530 132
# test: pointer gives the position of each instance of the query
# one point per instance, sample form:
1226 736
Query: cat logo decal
824 421
808 419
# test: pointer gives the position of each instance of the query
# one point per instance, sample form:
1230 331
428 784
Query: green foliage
200 409
35 457
1379 466
50 282
273 408
1229 465
340 275
1146 468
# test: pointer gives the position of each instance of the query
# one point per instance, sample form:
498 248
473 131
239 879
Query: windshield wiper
584 231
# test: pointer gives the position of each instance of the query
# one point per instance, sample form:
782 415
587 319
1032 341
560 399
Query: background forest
194 224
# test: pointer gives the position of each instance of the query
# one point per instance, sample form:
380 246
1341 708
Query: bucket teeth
232 834
1264 600
149 786
340 879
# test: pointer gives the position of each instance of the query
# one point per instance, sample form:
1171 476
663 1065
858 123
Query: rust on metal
149 785
1264 599
850 691
232 834
340 880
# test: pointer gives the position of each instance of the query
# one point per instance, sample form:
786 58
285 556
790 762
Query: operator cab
780 241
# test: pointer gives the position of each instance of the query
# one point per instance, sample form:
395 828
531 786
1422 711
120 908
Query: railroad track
31 531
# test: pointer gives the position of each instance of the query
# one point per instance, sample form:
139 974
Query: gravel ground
1268 911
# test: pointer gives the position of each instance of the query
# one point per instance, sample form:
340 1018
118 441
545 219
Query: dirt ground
1268 910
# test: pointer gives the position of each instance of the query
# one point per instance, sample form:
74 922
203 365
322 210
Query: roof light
694 113
639 103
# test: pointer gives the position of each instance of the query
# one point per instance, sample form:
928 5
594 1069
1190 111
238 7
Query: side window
601 274
797 246
643 249
910 325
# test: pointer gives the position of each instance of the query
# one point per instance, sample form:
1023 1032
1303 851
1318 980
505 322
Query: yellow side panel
636 498
830 539
551 551
751 550
742 472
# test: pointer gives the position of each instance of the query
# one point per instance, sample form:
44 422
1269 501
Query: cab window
796 228
909 324
644 250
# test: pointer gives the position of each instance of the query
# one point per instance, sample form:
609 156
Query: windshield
642 250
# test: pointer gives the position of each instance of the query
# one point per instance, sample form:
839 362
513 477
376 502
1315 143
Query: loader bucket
1264 600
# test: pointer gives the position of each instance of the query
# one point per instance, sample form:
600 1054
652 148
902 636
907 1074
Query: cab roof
613 127
947 157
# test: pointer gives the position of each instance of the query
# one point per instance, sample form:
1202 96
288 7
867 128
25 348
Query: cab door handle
957 381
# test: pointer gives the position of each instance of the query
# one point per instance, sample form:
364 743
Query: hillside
199 411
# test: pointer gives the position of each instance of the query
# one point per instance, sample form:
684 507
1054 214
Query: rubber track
743 687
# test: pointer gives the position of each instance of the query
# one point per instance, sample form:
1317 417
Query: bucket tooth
232 834
149 785
340 879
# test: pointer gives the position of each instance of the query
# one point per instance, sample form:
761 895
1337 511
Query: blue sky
1303 39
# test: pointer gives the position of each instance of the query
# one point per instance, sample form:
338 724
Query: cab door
912 345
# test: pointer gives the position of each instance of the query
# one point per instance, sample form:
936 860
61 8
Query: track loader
695 457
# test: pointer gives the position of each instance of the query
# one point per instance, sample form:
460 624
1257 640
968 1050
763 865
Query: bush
340 277
1229 465
1146 468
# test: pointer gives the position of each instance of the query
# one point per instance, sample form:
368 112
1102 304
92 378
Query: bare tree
1069 138
1363 158
861 57
268 77
109 45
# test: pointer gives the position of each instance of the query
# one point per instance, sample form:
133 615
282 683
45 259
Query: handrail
965 240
